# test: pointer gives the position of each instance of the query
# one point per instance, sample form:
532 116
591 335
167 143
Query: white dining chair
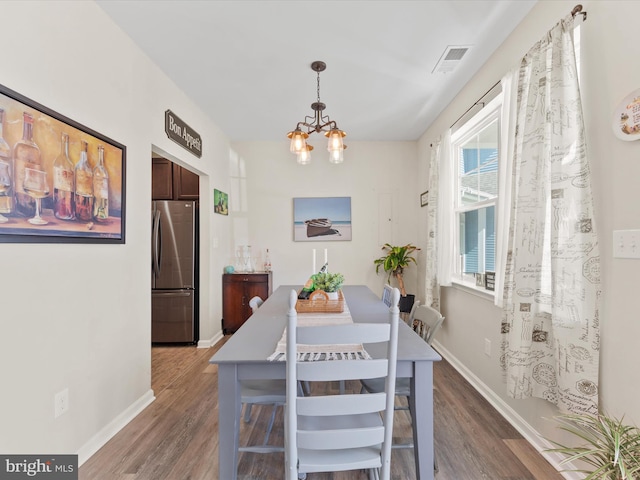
386 294
428 321
255 303
409 319
329 433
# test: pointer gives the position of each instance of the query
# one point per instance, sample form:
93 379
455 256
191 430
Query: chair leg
247 412
304 389
270 426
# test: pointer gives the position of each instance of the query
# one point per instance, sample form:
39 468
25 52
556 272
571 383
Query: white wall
608 75
376 175
78 316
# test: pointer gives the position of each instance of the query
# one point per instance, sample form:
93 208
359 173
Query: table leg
422 415
229 408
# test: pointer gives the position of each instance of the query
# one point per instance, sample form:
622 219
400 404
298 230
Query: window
474 148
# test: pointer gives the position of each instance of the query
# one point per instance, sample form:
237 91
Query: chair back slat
345 404
346 333
340 438
342 370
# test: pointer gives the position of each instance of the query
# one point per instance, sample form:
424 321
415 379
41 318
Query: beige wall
609 73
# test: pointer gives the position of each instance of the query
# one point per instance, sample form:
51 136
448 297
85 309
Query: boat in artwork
318 226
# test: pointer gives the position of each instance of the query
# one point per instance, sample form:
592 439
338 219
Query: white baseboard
524 428
211 342
118 423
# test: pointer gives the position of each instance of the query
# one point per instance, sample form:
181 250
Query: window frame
491 112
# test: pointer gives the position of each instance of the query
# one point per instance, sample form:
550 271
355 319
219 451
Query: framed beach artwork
60 182
322 219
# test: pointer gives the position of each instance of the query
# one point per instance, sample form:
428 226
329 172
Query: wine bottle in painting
26 154
84 186
100 189
63 178
6 172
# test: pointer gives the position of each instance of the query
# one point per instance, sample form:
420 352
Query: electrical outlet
487 347
61 403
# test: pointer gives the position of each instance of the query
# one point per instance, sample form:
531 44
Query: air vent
450 58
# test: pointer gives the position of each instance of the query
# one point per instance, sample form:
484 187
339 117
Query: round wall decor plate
626 118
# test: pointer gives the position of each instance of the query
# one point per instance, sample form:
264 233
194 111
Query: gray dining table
244 356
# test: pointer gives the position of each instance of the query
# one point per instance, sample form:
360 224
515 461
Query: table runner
310 353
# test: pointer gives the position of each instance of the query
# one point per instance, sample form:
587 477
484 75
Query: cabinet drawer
246 277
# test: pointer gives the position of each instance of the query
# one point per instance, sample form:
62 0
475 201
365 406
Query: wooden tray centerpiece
319 302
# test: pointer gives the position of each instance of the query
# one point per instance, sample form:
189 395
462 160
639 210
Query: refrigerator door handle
172 294
157 243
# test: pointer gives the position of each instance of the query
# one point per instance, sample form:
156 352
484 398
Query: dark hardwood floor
175 438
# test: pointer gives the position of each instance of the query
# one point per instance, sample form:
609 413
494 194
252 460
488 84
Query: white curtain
432 287
444 214
552 279
503 208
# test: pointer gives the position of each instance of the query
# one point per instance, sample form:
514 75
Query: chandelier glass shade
317 123
304 156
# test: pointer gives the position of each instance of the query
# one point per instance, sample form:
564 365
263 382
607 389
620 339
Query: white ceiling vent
450 59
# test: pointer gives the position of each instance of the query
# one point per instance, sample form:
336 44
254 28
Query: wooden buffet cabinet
237 290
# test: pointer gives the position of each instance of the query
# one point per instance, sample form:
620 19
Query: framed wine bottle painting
60 182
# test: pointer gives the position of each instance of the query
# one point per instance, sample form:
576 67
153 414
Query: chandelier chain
318 81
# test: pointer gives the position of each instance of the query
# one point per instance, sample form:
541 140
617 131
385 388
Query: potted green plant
329 282
394 262
610 448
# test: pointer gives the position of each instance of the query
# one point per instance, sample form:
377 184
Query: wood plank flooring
175 438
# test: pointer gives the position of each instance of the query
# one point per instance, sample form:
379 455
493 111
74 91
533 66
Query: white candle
326 257
314 261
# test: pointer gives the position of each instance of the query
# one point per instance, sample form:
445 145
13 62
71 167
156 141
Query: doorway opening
175 270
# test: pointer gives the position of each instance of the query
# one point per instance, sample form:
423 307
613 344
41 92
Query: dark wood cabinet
170 181
186 184
161 179
237 290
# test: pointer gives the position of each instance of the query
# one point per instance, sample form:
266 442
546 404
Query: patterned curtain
552 290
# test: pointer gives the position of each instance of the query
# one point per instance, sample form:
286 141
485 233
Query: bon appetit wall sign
182 134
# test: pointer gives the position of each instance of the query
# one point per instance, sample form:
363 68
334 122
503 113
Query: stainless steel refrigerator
174 253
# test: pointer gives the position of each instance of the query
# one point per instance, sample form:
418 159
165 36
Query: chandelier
317 123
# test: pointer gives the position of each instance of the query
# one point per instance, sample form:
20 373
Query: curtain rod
577 10
477 102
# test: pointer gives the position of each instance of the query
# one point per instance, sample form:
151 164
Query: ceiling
246 63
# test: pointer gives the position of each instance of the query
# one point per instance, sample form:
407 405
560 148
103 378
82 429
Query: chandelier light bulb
335 140
336 156
304 157
298 141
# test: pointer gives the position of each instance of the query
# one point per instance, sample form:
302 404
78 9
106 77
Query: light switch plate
626 244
